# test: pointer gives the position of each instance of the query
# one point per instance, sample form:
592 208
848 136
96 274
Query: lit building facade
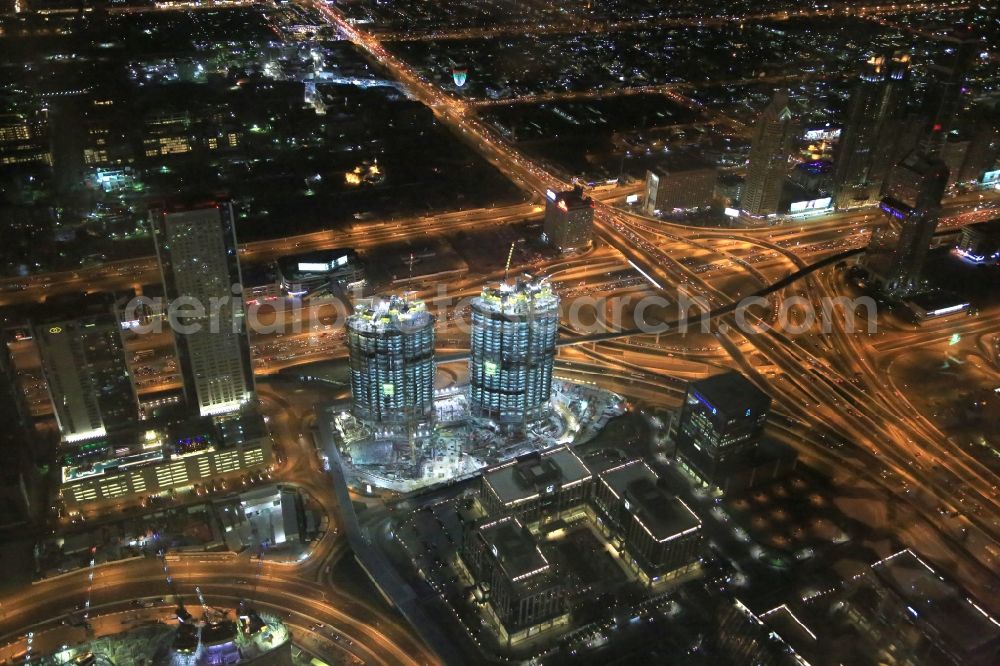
688 186
83 360
865 151
659 535
980 243
768 162
537 487
199 262
24 139
391 349
569 219
720 425
898 247
514 331
520 588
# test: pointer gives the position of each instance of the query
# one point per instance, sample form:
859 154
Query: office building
521 591
720 426
569 219
680 184
391 348
945 92
905 611
768 162
199 263
19 440
953 154
980 243
660 538
537 487
865 149
320 273
24 139
83 360
984 150
514 331
898 247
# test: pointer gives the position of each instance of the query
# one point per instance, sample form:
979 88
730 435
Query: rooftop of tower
518 297
397 314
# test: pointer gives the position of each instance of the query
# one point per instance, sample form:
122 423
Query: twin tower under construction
513 341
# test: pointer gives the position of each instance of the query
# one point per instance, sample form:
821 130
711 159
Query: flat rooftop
514 548
662 514
530 476
943 605
731 392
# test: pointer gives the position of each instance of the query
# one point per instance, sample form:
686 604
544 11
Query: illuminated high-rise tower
865 151
391 348
720 425
514 331
83 359
768 163
199 263
897 249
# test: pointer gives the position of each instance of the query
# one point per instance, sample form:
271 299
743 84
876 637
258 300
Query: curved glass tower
514 331
391 347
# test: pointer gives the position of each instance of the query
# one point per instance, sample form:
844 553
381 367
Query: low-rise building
515 581
537 487
660 536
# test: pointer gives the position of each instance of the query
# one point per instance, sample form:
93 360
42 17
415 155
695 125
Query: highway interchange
833 400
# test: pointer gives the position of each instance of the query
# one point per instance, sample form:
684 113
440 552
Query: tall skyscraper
720 425
768 163
83 360
569 219
865 151
944 93
199 262
514 331
898 248
391 348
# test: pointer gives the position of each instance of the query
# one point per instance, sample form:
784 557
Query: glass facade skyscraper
514 331
721 422
391 348
768 162
866 148
199 262
83 359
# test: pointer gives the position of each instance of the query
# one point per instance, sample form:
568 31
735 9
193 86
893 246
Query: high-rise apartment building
514 331
865 150
896 252
199 263
391 350
947 86
83 360
569 219
768 163
721 422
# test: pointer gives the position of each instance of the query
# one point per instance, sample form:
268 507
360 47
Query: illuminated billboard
314 268
823 134
813 204
731 212
991 177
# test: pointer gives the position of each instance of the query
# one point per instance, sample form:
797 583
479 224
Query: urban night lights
434 333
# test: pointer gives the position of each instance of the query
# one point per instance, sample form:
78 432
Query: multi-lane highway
823 380
871 416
